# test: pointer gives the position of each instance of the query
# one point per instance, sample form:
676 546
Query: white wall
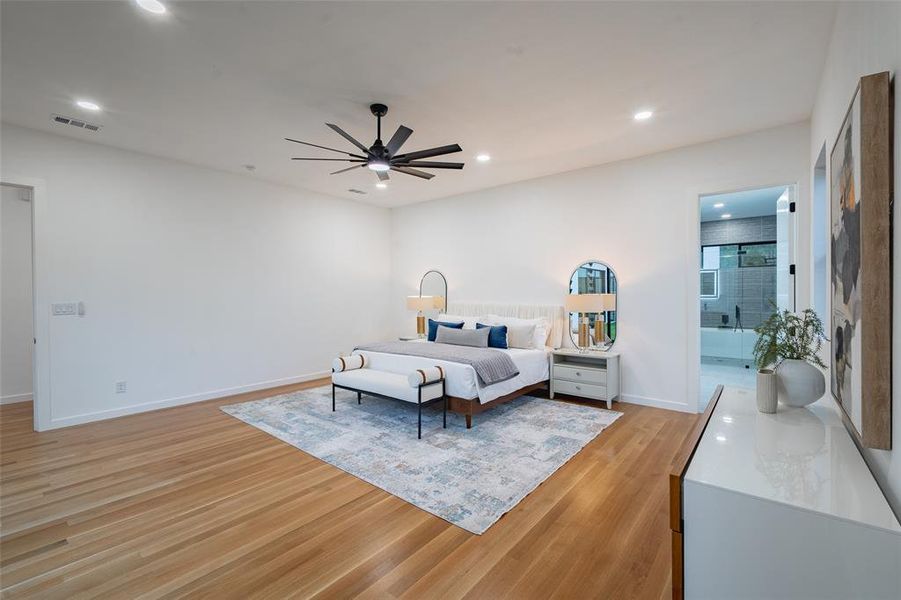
196 283
16 332
867 39
518 243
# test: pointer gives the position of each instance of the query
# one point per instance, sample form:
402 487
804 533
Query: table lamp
589 303
608 301
421 303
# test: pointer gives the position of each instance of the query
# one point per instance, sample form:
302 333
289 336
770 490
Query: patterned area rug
467 477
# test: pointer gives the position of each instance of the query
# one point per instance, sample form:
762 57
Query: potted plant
788 345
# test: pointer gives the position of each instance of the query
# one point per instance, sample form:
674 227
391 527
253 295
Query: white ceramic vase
799 383
766 391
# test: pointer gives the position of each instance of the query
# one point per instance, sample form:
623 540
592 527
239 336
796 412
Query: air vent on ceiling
64 120
355 191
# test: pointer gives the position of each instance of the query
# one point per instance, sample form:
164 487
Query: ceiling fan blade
414 172
347 169
427 164
347 137
323 147
383 176
330 159
427 153
397 140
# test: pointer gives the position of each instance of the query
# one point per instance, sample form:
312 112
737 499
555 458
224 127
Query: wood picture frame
860 319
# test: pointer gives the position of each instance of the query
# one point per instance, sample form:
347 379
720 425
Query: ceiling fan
382 158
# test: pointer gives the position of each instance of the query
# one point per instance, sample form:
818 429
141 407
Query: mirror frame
572 336
443 278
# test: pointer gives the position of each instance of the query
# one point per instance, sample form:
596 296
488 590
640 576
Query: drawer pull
578 373
579 387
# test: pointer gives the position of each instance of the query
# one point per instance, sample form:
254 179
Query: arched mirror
434 284
591 302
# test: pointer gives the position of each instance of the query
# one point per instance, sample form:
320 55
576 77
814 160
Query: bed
467 395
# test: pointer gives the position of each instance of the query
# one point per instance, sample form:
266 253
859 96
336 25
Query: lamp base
584 340
600 333
420 325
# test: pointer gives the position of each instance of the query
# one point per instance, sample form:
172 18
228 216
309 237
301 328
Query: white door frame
693 261
40 356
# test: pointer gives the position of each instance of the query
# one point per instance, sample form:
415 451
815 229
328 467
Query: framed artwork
861 278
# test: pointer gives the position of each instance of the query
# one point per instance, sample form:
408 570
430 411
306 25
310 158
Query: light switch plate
62 309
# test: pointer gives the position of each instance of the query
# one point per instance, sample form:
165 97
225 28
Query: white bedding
461 380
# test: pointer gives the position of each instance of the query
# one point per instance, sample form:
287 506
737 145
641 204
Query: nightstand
593 375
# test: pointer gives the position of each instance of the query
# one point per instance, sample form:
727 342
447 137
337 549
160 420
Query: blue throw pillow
433 328
497 337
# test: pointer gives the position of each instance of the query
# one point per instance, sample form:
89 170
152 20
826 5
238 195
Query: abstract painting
860 232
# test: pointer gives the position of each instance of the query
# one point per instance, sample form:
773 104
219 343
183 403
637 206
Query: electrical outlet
121 387
62 309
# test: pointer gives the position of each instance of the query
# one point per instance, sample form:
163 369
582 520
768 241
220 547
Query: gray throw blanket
492 366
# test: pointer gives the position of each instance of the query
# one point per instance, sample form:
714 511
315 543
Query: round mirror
592 301
434 284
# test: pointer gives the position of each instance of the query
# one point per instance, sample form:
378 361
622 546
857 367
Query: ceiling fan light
376 165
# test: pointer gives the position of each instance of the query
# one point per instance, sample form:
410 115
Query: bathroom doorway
747 272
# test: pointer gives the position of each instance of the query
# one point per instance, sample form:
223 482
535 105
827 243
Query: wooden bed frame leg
468 421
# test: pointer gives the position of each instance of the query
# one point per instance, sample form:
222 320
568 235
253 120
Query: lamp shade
590 303
424 302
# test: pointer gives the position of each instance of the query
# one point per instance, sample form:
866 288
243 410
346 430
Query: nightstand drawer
588 375
585 390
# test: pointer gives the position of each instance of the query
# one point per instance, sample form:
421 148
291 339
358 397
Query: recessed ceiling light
719 205
643 115
88 105
483 157
725 216
381 185
153 6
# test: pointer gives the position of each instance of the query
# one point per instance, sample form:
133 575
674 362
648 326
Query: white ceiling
542 87
741 205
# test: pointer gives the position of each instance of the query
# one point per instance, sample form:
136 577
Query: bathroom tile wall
750 288
738 231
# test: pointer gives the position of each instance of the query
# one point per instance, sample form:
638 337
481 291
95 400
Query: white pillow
540 334
520 336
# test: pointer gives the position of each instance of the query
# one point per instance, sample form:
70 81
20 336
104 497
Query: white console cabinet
782 506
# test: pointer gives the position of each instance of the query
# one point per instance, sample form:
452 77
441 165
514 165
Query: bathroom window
757 255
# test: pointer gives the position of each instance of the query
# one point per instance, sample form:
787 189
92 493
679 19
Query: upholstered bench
422 387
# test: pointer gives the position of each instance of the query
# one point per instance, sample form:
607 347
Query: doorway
16 294
747 272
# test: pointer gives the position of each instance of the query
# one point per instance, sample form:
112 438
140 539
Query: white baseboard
13 398
656 403
56 423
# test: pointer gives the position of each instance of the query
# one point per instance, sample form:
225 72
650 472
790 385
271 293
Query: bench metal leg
359 398
419 434
333 397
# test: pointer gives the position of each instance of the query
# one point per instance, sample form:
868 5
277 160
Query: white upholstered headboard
554 314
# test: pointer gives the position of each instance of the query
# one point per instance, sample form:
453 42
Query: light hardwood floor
189 502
